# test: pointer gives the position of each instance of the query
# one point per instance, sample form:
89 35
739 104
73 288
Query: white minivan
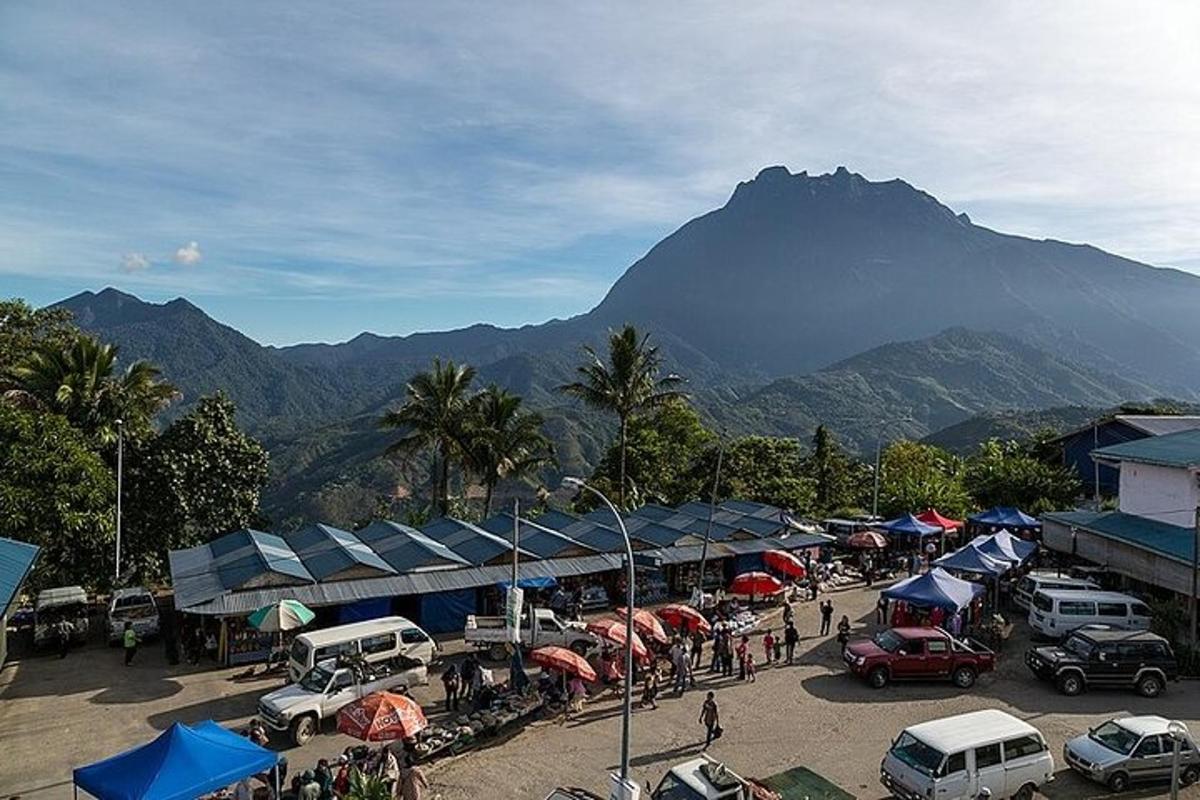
1056 612
956 758
376 640
1038 580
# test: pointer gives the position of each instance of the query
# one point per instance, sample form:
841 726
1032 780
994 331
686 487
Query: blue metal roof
604 538
333 554
759 526
16 562
469 541
542 541
641 528
406 548
250 558
670 518
1180 449
752 509
1172 541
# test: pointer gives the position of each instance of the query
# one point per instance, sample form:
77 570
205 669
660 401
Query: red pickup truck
918 654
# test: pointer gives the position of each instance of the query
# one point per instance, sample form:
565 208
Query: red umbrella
563 660
684 618
615 631
753 583
647 625
867 540
930 516
381 717
785 562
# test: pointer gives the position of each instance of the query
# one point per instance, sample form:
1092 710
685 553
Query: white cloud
135 262
189 254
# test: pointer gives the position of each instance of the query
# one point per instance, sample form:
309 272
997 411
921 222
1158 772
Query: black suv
1106 658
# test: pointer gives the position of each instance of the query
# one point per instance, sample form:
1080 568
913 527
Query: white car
135 605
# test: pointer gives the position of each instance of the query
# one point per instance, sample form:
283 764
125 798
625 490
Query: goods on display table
505 712
244 644
742 622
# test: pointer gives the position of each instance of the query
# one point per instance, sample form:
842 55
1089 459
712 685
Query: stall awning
539 582
1006 517
972 559
935 588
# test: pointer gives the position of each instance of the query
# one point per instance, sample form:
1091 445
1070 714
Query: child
750 667
769 646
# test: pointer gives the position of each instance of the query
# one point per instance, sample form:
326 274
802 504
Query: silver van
1055 613
1132 750
1038 580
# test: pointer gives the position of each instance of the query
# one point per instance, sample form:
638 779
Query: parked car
136 606
1039 580
1057 612
917 654
299 708
1106 659
52 606
547 628
1132 750
957 757
376 640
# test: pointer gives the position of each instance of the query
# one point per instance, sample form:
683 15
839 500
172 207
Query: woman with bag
710 718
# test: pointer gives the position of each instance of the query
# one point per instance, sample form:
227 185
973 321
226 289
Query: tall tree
915 476
765 469
629 382
832 473
434 417
503 440
24 329
1006 473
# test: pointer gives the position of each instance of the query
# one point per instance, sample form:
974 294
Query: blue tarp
371 608
1004 545
181 764
443 612
541 582
935 588
908 525
972 559
1006 517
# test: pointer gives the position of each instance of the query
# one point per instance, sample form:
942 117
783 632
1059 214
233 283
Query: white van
1056 612
1038 580
135 606
958 757
376 640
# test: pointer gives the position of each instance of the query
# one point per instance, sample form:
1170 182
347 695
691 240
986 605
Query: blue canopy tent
1005 517
1004 545
908 525
972 559
935 588
535 582
181 764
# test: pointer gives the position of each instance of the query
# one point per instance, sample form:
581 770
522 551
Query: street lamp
120 466
1178 731
623 788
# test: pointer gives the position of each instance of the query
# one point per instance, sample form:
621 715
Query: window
1022 746
1025 586
937 647
956 763
1150 746
413 636
1112 609
1159 650
1043 603
1132 651
1140 610
987 756
343 680
383 643
1076 608
334 650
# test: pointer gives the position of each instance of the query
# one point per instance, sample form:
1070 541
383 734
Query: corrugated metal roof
1160 425
16 562
330 554
469 541
1180 449
670 518
752 509
543 542
1172 541
759 526
644 529
407 549
603 538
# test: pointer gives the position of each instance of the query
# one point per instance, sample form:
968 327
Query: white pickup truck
547 629
299 708
704 778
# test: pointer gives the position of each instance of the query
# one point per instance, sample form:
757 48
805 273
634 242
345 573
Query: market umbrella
563 660
284 615
613 631
785 562
647 625
683 617
381 717
753 583
867 540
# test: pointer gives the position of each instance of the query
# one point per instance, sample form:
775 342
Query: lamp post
1177 730
623 788
120 470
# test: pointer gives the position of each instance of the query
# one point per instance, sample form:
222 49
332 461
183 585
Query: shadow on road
218 709
673 755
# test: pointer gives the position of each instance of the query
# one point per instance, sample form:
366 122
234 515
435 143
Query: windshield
299 652
1114 737
1078 646
917 754
316 679
888 640
1043 603
672 788
133 601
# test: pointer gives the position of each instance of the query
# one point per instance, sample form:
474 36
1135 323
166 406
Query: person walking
868 569
881 609
789 613
768 647
129 638
750 668
680 663
743 650
843 635
826 616
710 718
451 682
63 631
697 648
466 676
727 654
718 630
790 638
650 689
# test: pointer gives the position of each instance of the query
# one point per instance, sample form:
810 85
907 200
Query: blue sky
305 171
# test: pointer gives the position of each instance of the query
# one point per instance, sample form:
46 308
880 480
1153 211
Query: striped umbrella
684 617
285 615
563 660
616 632
647 625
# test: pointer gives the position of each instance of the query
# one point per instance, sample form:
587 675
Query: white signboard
512 613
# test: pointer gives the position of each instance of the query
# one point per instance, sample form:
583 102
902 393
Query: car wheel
1150 686
498 652
304 729
1070 684
1118 782
1025 792
878 678
580 647
1189 775
964 677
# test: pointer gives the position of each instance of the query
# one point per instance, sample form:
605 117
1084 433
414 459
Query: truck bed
801 783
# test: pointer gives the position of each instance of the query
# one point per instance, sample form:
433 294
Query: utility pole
1096 464
120 469
1195 573
712 511
875 497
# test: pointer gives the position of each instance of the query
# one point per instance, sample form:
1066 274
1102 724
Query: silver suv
1132 750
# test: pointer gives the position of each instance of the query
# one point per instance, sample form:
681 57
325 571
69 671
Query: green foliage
629 382
367 787
24 329
766 469
503 441
57 493
1006 473
914 476
832 473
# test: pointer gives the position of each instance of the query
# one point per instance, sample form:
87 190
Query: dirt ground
55 715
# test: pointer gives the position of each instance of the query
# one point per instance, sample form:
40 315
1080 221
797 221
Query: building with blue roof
16 562
543 542
477 546
332 554
406 549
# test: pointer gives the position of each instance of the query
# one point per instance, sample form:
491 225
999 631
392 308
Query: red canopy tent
930 516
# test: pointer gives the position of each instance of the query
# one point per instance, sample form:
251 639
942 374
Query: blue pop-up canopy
972 559
935 588
181 764
1004 545
908 525
1006 517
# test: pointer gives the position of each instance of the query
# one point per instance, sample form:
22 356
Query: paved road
58 714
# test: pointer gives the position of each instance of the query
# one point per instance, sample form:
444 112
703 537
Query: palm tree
503 441
80 382
434 417
628 383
